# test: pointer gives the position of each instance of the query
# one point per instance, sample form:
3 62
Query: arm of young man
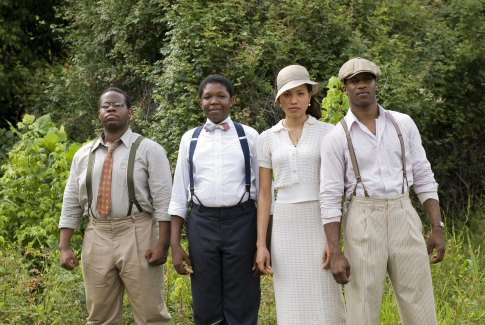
179 256
68 259
178 207
160 185
70 215
426 188
332 176
435 240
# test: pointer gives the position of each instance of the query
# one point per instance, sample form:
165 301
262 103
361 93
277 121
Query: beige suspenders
403 152
354 159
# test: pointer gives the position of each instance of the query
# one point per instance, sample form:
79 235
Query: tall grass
35 290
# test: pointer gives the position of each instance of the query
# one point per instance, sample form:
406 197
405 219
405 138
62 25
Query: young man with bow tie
217 170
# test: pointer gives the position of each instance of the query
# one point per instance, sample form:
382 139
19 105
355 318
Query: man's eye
104 106
118 104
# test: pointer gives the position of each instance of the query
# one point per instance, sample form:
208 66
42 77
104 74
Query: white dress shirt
379 161
152 180
219 174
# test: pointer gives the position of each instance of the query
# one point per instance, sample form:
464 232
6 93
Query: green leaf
28 119
44 123
50 141
73 148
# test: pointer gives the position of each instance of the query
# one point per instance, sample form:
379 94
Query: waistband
242 205
299 192
137 217
377 200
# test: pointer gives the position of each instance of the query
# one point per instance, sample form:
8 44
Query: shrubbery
33 183
430 52
56 61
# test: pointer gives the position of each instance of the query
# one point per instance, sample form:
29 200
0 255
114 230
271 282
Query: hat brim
358 72
295 83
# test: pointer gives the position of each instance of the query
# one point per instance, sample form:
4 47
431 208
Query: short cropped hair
218 79
118 90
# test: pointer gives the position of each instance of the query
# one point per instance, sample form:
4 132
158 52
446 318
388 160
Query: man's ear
344 89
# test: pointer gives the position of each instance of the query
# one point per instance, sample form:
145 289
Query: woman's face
295 101
216 102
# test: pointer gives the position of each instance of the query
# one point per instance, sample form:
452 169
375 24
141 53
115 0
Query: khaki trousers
386 235
112 259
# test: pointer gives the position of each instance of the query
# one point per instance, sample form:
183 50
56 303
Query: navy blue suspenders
244 146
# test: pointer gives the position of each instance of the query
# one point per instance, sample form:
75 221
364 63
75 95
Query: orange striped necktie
103 205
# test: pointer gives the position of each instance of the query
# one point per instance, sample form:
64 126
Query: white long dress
305 293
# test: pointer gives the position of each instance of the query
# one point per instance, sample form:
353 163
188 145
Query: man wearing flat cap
373 157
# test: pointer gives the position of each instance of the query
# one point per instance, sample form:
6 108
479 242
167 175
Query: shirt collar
125 139
350 118
279 127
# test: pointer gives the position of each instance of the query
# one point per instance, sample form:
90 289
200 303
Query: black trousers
222 242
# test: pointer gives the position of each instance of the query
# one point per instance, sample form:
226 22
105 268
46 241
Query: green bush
33 183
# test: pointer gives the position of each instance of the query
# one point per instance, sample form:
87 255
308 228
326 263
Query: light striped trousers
385 235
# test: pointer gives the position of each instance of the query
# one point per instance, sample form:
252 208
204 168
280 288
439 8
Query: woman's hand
326 258
263 260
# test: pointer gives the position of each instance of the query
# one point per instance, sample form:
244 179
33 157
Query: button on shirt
219 174
379 160
152 181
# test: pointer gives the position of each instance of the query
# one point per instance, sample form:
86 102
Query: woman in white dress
305 293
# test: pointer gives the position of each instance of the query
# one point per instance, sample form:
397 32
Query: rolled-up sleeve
424 183
159 181
332 174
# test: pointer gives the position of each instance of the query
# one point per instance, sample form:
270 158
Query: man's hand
68 259
436 241
157 255
340 268
178 258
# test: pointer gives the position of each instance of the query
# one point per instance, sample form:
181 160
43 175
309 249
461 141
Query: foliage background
56 56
